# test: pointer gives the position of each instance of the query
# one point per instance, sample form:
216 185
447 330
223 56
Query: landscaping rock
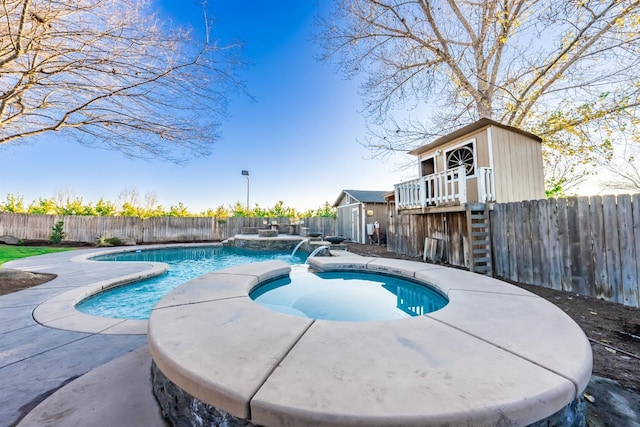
9 240
612 405
12 274
127 241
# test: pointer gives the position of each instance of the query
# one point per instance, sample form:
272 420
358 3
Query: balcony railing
486 185
443 188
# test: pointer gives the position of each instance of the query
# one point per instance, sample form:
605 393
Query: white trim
422 159
363 219
461 144
355 217
349 205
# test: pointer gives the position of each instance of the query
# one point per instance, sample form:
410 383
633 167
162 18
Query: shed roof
362 196
477 125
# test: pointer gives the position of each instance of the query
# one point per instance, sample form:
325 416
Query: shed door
355 224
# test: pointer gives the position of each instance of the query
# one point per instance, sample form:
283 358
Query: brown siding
379 214
472 190
482 146
517 164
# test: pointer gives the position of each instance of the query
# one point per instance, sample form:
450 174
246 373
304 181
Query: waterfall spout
298 246
317 250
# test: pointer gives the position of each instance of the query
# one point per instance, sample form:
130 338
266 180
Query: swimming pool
135 300
347 296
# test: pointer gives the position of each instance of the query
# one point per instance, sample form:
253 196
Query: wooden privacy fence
585 245
589 246
87 229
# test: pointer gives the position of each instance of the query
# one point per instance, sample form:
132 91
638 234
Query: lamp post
246 173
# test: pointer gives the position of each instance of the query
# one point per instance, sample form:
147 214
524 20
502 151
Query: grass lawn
9 253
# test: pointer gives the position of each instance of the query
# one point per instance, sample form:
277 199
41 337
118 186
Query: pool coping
495 353
59 312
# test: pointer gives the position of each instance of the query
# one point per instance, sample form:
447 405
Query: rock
13 274
268 233
9 240
613 405
127 241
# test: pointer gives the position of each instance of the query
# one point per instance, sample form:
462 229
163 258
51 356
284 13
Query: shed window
462 156
427 167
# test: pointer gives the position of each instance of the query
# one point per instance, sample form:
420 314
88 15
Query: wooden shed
358 210
445 212
482 162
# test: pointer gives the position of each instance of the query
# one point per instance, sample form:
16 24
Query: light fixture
246 173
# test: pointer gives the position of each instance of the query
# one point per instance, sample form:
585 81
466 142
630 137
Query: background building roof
363 196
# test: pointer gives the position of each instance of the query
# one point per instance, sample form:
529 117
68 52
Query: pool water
135 301
347 296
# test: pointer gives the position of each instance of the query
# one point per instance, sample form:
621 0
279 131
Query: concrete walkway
35 360
118 393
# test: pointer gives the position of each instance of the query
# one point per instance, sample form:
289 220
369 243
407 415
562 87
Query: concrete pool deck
35 360
38 359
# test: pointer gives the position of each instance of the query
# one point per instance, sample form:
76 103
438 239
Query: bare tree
128 195
623 166
110 73
625 178
557 68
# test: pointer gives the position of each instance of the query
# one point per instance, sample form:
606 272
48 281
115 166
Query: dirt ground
14 284
613 329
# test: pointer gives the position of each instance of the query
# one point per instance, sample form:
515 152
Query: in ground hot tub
351 296
495 354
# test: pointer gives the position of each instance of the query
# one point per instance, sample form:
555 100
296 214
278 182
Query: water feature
298 247
317 250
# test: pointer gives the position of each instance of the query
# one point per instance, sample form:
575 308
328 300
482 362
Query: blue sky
298 138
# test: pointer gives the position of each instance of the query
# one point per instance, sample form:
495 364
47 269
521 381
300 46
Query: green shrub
101 241
115 241
57 233
108 241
